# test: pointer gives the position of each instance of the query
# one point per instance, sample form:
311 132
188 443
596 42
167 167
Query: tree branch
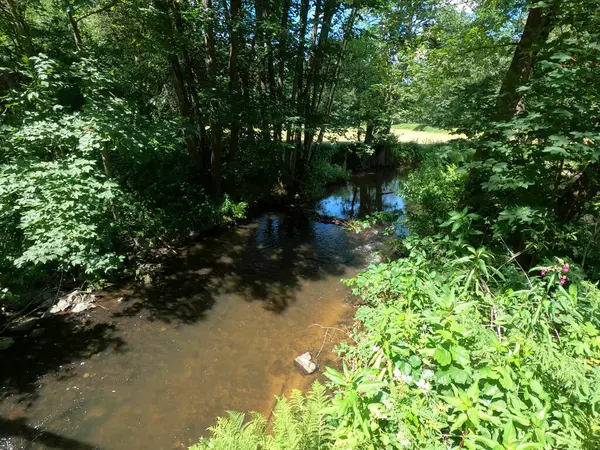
91 13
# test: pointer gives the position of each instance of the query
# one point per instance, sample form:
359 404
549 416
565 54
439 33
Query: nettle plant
450 356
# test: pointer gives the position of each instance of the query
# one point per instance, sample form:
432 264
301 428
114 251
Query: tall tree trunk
22 35
191 83
338 70
74 29
215 126
521 67
294 132
304 97
234 82
177 80
369 133
259 9
282 55
510 100
329 9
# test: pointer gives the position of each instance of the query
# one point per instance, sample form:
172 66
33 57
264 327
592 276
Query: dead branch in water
327 329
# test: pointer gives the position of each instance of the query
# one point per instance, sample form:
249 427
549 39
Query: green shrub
324 171
431 192
451 357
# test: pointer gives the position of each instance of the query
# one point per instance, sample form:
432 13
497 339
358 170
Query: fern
298 424
232 433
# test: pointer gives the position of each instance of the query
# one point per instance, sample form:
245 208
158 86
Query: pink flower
544 272
563 279
565 268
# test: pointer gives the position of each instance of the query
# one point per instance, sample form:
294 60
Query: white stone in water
305 363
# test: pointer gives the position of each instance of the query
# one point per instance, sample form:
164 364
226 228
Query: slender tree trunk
329 9
304 101
521 67
337 73
75 29
262 72
234 83
215 126
190 81
369 133
177 80
294 132
282 55
22 35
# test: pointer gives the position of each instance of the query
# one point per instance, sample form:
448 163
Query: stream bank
217 330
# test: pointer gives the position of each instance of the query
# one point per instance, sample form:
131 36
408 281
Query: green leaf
442 356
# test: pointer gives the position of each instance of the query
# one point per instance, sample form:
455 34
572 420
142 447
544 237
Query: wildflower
387 403
565 268
406 378
379 414
397 374
402 439
424 385
544 272
563 280
376 348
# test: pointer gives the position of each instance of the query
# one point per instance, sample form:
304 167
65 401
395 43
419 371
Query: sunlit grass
405 132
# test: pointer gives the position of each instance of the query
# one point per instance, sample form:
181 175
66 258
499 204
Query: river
218 329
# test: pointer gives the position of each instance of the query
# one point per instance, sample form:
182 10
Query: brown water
218 330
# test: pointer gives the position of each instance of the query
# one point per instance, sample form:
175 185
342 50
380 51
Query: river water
217 330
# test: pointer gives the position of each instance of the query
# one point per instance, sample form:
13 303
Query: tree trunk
294 131
369 133
521 67
282 54
75 29
262 72
337 73
215 127
20 27
234 83
177 80
329 9
191 83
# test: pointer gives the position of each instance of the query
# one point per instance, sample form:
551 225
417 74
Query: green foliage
298 424
462 359
53 190
324 171
431 192
85 178
389 220
231 212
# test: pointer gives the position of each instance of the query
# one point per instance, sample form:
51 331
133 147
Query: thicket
485 333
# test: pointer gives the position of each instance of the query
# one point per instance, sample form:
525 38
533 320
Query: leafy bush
452 357
431 192
84 179
324 171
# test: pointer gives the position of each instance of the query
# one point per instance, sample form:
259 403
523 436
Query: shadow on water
64 339
18 428
263 261
154 364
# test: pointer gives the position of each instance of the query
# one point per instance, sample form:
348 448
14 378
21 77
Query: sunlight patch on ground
405 133
424 137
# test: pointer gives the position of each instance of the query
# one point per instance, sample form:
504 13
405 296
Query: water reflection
365 194
217 330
